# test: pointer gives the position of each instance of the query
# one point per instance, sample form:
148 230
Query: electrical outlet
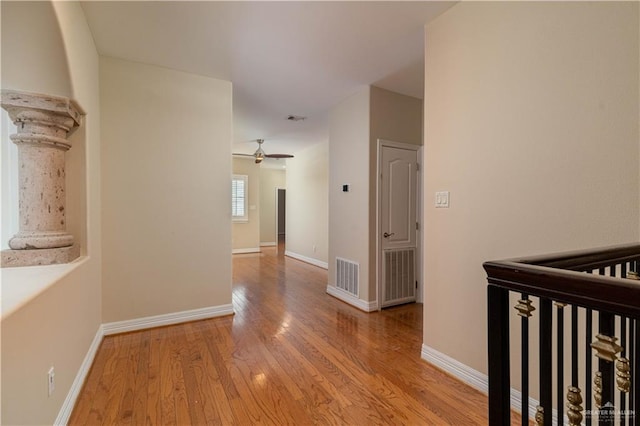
51 380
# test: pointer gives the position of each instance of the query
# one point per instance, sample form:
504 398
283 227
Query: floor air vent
347 273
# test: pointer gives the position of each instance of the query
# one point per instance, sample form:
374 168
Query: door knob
387 235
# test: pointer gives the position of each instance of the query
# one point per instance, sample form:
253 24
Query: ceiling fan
260 155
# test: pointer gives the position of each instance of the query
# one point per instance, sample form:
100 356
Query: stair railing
597 293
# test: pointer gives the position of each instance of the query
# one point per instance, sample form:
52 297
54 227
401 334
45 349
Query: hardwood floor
290 355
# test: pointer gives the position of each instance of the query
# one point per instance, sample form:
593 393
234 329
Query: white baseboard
349 298
70 401
468 375
166 319
315 262
246 250
476 379
269 244
122 327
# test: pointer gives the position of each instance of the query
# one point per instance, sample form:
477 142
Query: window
9 179
239 195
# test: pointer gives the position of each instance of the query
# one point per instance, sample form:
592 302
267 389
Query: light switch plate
442 199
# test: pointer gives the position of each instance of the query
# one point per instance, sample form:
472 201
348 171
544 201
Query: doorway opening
281 219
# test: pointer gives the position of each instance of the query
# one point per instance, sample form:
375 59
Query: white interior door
397 197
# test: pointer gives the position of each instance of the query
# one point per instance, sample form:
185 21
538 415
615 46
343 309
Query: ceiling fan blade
279 156
243 155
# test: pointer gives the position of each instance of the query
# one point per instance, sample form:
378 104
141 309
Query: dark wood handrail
584 260
557 277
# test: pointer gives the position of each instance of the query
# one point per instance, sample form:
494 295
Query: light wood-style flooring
290 355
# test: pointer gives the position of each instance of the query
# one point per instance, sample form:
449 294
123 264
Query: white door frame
410 147
420 232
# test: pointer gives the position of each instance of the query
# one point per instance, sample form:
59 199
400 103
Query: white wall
349 164
531 121
166 173
270 179
246 235
307 218
57 327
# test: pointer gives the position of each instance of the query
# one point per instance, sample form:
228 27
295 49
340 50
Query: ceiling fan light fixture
259 151
259 155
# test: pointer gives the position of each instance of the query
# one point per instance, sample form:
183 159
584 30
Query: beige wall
246 235
307 203
270 179
395 117
166 167
348 164
26 53
531 122
57 327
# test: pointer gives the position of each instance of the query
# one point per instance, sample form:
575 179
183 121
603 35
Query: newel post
44 123
499 380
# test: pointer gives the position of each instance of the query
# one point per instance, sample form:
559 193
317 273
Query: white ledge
20 285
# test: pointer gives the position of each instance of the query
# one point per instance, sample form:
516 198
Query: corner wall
166 181
355 125
307 204
531 121
26 52
349 164
56 327
393 117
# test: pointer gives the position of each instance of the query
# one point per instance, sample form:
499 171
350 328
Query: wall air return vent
347 275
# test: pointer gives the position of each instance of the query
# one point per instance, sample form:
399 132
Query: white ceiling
283 58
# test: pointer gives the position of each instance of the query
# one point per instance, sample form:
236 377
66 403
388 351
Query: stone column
43 123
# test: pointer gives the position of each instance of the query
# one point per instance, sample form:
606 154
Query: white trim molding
346 297
476 379
122 327
70 401
312 261
166 319
268 244
468 375
246 250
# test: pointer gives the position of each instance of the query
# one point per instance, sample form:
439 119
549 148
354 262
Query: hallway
290 355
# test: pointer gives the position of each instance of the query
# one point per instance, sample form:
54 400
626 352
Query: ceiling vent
296 118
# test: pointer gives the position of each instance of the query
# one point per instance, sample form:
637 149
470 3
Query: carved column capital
15 102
